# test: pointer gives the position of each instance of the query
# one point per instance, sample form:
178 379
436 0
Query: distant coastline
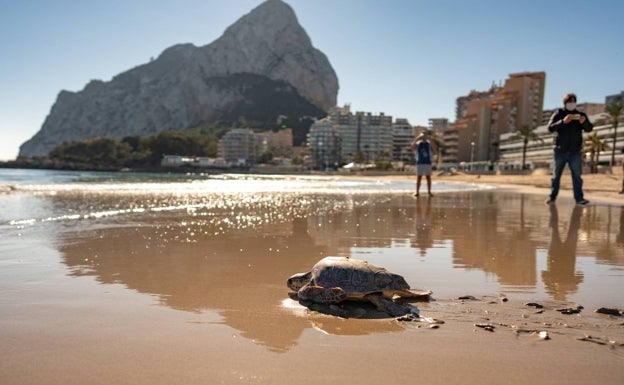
47 164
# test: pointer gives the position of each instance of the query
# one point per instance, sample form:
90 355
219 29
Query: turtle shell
356 277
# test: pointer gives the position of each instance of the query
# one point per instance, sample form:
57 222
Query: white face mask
570 106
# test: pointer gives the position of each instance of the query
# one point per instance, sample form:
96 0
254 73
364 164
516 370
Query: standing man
568 125
423 152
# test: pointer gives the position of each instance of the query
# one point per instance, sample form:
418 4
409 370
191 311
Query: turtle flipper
424 295
386 305
321 294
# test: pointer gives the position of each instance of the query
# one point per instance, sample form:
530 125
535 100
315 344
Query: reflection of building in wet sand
240 274
482 240
203 261
367 225
609 250
496 233
194 265
619 239
502 234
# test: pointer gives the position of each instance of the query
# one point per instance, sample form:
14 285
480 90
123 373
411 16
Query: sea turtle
335 279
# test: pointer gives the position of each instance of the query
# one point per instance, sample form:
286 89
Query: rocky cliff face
264 65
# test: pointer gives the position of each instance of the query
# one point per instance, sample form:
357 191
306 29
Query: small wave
73 217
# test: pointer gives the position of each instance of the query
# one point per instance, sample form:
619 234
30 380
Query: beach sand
201 304
603 187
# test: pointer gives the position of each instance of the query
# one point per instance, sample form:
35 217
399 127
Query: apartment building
462 102
526 90
460 144
242 146
438 124
362 134
324 144
344 137
402 136
615 98
588 108
482 117
540 152
280 143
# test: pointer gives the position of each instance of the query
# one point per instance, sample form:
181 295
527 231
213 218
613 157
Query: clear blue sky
407 58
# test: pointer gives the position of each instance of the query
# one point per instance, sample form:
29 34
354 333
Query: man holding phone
568 125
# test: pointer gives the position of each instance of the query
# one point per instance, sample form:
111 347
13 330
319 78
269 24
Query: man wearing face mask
568 125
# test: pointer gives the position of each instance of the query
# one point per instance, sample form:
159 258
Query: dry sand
603 187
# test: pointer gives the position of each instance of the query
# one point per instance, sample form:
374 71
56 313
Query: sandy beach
197 295
603 187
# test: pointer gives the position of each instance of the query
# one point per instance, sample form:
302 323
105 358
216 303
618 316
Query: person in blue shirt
423 153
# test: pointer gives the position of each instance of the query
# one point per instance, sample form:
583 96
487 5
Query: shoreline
601 188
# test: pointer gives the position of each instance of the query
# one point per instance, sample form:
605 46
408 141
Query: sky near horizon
406 58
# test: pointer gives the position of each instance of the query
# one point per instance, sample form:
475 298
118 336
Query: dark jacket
568 137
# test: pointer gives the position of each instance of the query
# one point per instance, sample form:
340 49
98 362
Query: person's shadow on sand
560 277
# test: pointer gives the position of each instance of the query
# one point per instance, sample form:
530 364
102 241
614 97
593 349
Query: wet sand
181 298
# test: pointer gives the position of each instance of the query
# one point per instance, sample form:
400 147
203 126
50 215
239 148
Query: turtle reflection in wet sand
336 279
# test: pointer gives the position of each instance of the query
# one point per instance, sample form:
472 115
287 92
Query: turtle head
298 281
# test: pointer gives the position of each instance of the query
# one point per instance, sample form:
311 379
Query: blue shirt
423 153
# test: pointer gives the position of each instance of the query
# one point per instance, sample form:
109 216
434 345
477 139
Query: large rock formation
263 65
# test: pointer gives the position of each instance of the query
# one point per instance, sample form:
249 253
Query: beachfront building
242 146
591 108
345 137
438 124
365 137
615 98
459 140
450 138
540 153
192 161
546 114
402 136
462 102
588 108
324 144
280 143
501 110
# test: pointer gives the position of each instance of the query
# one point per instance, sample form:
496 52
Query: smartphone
576 116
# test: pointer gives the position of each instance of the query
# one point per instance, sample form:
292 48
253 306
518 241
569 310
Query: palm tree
527 134
595 145
615 111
